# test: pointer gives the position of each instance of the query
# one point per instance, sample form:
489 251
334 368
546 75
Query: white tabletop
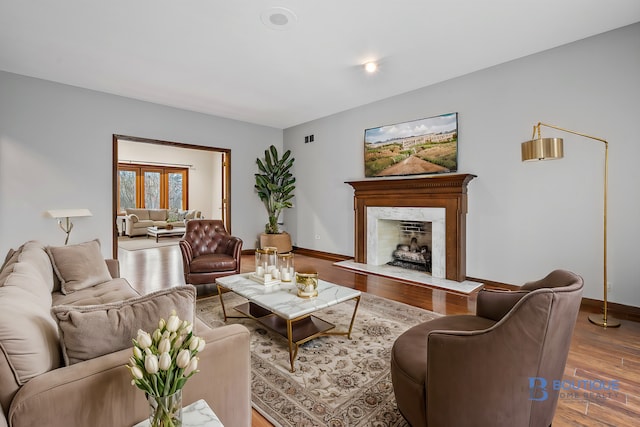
197 414
283 299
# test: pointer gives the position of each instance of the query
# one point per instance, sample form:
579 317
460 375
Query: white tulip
178 342
136 372
161 324
192 366
194 343
156 335
165 361
151 363
164 346
201 344
183 359
143 339
173 323
137 353
189 328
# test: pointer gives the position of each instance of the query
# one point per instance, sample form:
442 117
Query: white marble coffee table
165 232
279 308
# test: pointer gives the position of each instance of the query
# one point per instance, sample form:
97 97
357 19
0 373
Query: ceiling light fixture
371 67
279 18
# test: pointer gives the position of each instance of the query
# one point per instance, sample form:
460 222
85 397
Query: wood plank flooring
596 353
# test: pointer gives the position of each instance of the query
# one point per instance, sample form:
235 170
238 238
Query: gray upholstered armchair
208 252
490 368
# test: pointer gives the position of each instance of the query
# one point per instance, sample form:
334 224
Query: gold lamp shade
542 149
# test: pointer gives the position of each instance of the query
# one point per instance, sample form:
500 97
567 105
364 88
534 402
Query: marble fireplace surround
445 195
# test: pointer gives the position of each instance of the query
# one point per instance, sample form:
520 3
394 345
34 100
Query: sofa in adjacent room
137 220
66 324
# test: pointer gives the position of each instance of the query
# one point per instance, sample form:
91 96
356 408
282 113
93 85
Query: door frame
226 179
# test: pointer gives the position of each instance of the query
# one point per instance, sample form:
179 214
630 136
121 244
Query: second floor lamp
539 148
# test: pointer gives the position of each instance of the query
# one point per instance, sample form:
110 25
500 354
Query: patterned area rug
338 382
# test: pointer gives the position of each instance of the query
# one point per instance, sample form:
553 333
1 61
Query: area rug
338 382
139 243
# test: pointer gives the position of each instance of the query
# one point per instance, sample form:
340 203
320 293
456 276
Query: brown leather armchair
208 252
494 368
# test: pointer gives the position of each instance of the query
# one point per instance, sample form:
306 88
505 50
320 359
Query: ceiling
218 57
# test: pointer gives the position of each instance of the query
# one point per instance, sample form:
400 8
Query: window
152 187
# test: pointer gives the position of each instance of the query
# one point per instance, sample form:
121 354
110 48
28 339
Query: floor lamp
539 148
67 225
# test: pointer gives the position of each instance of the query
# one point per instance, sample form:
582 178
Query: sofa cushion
79 266
144 223
8 265
112 291
27 277
142 214
87 332
35 254
28 337
213 262
158 214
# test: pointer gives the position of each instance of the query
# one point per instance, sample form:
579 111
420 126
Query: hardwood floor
596 353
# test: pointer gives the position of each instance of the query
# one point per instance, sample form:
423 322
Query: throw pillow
87 332
182 215
29 344
173 216
79 266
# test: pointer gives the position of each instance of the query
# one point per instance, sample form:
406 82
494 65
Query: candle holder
285 265
307 284
266 271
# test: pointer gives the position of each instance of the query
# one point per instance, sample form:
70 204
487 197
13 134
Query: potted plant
275 184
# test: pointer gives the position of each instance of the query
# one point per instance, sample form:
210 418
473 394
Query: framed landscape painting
425 146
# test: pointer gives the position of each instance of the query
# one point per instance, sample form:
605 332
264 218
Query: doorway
153 167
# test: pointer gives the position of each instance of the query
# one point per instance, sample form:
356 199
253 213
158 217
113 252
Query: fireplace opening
413 249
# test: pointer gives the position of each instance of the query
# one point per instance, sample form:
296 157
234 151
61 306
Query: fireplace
440 200
413 248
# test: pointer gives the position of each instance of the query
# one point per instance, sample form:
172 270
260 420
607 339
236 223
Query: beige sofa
136 221
64 343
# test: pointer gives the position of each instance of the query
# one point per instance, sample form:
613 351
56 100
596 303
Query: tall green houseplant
275 185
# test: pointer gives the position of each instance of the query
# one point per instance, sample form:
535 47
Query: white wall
205 171
525 219
56 152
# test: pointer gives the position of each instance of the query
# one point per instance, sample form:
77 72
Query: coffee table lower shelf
302 330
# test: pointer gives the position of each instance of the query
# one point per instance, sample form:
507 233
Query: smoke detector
279 18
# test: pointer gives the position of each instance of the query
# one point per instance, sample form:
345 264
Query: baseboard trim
619 311
321 255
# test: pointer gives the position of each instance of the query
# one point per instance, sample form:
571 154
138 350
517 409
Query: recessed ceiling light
279 18
371 67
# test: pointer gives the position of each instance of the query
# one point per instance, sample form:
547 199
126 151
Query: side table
197 414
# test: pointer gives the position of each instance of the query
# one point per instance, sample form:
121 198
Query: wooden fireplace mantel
434 191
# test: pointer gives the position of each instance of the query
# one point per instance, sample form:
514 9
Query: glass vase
165 411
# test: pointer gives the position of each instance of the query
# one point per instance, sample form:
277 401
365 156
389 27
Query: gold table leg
224 311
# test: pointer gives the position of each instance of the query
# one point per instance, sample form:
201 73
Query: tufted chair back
206 236
208 252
